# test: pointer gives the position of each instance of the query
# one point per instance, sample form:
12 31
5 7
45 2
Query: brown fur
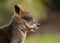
16 31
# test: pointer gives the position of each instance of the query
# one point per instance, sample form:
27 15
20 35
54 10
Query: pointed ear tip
15 6
17 9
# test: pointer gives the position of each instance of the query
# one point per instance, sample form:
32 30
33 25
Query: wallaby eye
28 18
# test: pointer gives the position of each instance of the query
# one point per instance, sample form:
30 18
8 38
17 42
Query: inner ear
17 9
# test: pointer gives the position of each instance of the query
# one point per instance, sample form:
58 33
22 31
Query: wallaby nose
38 25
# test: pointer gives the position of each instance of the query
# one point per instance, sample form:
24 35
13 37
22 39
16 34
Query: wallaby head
25 21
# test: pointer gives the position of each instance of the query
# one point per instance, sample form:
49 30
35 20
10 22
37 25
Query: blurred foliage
52 4
46 38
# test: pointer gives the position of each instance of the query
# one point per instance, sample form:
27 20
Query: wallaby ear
20 11
17 9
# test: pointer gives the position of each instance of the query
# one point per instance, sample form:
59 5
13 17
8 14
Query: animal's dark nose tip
38 25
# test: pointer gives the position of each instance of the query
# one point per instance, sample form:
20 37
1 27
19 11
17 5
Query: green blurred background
46 12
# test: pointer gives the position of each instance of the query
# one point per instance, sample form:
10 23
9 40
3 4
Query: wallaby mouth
36 27
33 27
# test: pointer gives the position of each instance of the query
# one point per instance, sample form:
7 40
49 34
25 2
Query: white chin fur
32 30
31 26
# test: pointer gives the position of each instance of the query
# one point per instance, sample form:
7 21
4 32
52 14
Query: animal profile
22 22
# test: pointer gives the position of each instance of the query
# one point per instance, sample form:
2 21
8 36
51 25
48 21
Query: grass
44 39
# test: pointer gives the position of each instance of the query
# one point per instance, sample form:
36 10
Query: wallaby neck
23 37
18 36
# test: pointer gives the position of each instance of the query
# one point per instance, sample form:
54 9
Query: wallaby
21 23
